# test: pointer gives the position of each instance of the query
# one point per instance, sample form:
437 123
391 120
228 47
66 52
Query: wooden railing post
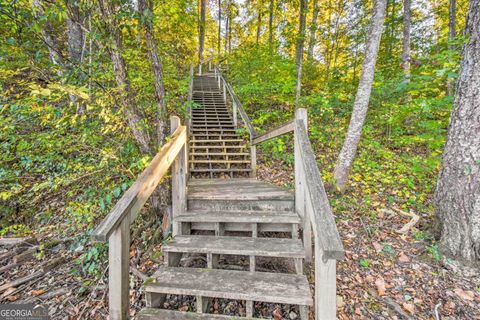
118 271
224 91
253 158
325 287
179 178
234 112
300 196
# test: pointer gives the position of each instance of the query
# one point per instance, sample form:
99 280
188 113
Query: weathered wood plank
118 270
325 287
157 314
237 285
136 196
240 217
179 178
278 131
318 207
266 247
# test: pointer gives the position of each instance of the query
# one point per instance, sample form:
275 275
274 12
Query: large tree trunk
313 30
406 39
457 197
201 33
146 10
121 77
452 33
299 49
362 98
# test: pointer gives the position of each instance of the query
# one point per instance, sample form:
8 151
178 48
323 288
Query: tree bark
313 30
48 35
457 197
299 49
270 25
406 39
76 42
362 98
201 33
121 76
219 46
146 11
452 33
259 20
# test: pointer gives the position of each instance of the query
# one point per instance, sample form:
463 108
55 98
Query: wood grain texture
239 285
160 314
278 131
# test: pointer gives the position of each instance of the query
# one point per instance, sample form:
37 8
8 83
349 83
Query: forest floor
386 274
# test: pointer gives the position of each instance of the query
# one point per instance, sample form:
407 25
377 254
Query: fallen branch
17 241
413 221
142 276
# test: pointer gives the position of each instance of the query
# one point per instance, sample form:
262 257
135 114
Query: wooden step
236 285
243 246
231 154
219 170
216 141
284 217
162 314
212 161
218 147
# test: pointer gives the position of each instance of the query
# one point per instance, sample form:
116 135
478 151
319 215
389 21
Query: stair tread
236 189
265 247
228 284
162 314
219 161
220 170
219 154
239 217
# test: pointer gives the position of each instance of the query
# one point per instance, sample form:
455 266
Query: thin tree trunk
259 21
201 34
406 39
219 45
121 77
457 197
146 12
76 40
230 30
362 98
270 25
227 25
452 33
313 30
299 49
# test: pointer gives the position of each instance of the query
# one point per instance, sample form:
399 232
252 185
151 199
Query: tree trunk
457 197
201 34
270 25
230 30
76 42
362 98
227 25
219 45
121 77
259 21
452 33
406 39
313 30
299 49
146 12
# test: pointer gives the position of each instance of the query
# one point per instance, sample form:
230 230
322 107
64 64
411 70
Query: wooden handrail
278 131
321 217
116 226
136 196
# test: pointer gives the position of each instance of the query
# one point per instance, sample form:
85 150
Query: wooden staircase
234 224
216 150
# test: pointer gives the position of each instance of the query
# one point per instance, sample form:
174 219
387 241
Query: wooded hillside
392 93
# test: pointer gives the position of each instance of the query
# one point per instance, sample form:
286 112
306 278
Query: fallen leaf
377 246
380 283
403 258
183 308
37 292
410 307
466 295
277 314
